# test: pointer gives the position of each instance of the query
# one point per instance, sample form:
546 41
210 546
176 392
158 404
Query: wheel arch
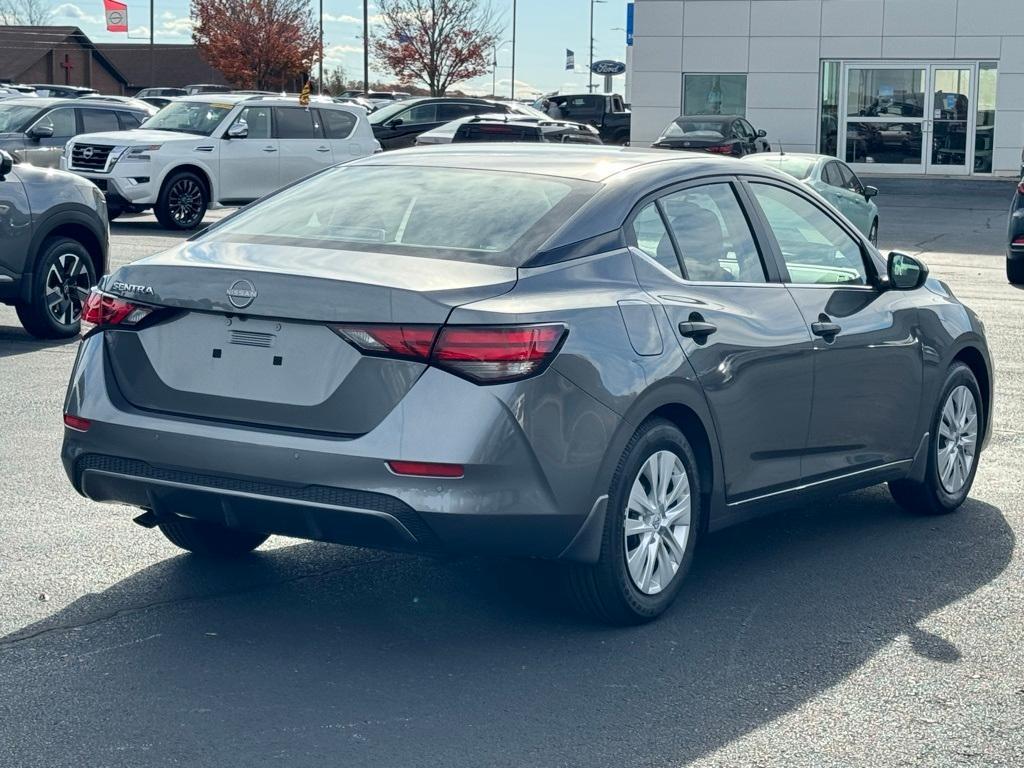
203 173
78 223
972 356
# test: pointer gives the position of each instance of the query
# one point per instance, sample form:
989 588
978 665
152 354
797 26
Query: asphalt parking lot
843 634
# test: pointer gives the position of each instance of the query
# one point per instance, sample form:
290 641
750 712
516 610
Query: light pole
366 47
320 77
512 91
590 86
494 69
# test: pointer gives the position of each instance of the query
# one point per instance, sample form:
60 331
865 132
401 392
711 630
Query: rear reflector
76 422
425 469
1018 240
489 354
411 342
101 309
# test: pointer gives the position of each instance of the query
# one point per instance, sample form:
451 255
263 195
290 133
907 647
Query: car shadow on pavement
16 341
317 655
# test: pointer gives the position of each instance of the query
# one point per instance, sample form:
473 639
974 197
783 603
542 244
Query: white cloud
72 11
346 18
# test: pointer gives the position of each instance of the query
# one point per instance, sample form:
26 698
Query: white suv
225 148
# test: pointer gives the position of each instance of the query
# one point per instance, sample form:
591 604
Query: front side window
815 248
256 121
832 175
441 213
713 235
297 123
850 180
62 121
714 94
653 239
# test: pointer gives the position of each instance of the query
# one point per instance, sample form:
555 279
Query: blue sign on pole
629 23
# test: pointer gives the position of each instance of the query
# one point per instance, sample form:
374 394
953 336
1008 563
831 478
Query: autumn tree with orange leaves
259 44
436 42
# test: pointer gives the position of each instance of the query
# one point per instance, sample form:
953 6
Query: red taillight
497 353
102 309
76 422
485 354
723 150
425 469
406 341
1018 240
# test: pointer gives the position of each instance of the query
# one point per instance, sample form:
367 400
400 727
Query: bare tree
33 13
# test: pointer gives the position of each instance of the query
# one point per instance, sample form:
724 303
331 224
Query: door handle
270 149
825 328
696 328
323 149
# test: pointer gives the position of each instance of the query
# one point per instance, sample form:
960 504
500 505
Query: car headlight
141 154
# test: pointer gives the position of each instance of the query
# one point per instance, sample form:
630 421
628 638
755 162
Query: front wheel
61 280
952 451
209 539
183 202
650 530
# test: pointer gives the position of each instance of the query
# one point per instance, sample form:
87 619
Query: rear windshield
797 167
695 129
487 217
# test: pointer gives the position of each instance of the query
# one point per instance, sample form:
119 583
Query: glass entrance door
907 118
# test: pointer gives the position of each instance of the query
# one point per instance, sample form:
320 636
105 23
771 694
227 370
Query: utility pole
590 69
366 47
320 78
152 49
513 84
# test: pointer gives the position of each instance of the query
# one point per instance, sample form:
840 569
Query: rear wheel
952 451
209 539
650 530
61 280
1015 270
183 201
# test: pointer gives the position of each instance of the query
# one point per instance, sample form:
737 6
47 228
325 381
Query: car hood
135 136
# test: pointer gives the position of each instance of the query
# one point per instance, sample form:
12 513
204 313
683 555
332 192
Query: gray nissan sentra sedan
592 355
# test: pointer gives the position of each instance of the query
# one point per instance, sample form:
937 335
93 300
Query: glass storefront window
984 132
889 143
828 136
715 95
885 93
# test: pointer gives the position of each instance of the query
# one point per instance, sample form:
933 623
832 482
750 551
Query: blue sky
545 29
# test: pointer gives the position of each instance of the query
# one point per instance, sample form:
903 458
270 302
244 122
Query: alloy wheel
958 439
67 285
185 202
657 523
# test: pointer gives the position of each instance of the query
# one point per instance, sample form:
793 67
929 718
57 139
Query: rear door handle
270 149
323 149
696 328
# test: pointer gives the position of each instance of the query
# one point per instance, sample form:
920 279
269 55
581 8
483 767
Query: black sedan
718 134
397 125
1015 245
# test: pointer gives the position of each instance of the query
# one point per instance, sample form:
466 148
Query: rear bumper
530 471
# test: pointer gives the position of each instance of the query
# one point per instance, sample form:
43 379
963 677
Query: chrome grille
90 157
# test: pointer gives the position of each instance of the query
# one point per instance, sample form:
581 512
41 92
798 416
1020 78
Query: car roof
45 102
708 118
779 155
586 163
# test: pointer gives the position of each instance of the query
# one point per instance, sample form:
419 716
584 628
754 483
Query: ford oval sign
607 67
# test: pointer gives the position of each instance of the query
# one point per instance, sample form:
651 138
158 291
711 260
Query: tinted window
421 113
62 121
96 120
652 238
257 121
584 105
815 248
444 213
297 123
713 235
129 120
832 175
339 124
849 179
446 112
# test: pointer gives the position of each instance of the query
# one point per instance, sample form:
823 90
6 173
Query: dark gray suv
586 354
53 245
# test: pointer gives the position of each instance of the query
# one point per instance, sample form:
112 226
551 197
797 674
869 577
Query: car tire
873 233
182 202
63 270
937 495
619 592
1015 271
209 539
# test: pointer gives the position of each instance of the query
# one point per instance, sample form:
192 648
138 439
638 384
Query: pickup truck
605 111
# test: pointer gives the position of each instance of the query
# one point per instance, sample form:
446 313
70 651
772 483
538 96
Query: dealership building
892 86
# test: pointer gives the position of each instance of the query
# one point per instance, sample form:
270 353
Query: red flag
117 16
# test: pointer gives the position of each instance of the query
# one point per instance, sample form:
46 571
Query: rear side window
421 113
338 123
713 235
442 213
297 123
96 120
446 112
129 120
653 239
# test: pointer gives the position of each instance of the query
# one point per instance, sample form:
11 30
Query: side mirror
905 272
41 132
870 192
762 133
6 164
395 123
239 130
